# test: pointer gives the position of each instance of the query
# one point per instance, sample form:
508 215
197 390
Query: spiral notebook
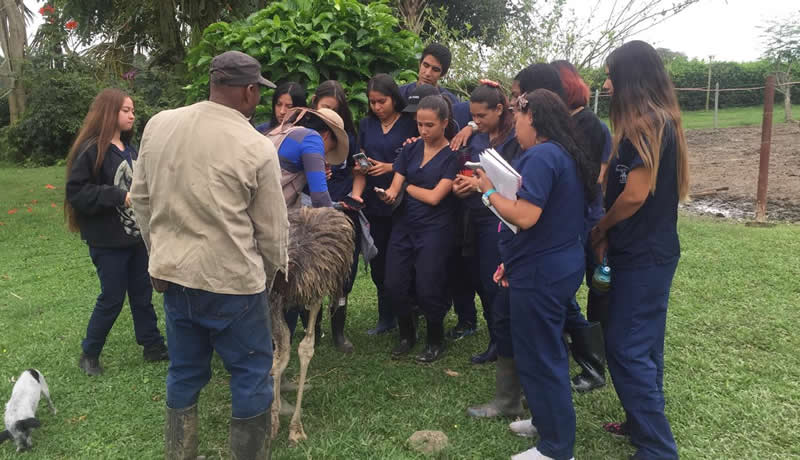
505 178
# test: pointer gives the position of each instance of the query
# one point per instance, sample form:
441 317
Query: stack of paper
506 180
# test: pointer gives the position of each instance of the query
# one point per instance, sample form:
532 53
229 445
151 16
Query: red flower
51 187
47 9
41 11
12 211
30 210
52 205
71 24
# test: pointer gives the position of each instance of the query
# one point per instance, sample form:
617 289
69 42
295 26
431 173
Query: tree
13 41
119 29
782 40
473 19
310 41
667 55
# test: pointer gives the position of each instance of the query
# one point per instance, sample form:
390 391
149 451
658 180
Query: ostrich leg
305 351
280 336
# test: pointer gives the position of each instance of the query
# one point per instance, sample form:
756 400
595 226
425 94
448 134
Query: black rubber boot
180 434
155 352
90 365
597 308
386 318
507 400
434 346
488 356
588 350
249 437
408 336
338 319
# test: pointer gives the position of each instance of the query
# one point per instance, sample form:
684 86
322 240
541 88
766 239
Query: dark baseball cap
419 93
234 68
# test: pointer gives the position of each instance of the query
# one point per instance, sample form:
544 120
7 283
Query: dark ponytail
492 96
443 109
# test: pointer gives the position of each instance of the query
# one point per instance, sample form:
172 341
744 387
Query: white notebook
506 180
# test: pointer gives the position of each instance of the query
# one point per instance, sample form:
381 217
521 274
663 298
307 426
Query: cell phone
361 160
379 191
473 165
353 203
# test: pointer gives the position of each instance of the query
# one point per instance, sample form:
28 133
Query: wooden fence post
766 140
716 107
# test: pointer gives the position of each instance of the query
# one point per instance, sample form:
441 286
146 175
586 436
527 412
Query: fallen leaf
2 223
52 205
452 373
30 210
12 211
51 187
34 201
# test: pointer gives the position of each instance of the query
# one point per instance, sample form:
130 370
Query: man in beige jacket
207 197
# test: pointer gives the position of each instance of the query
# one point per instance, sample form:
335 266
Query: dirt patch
729 157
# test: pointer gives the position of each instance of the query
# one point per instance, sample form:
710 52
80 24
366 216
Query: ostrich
320 254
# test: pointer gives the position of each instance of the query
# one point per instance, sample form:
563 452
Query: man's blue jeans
238 328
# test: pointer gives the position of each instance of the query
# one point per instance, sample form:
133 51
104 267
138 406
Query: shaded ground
729 157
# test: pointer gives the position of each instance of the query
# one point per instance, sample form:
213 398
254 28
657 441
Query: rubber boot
249 437
408 336
597 308
180 434
588 350
434 346
338 319
386 318
507 400
488 356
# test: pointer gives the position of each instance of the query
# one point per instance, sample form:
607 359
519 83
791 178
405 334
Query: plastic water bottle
601 280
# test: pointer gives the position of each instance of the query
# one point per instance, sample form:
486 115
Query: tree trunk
12 41
787 103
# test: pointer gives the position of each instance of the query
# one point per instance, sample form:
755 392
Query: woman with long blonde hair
99 175
647 176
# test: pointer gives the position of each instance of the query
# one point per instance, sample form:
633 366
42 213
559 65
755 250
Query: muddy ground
729 158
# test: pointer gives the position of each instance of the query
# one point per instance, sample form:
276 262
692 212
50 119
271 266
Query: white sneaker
523 428
532 454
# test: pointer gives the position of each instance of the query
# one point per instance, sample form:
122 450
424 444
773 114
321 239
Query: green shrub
57 102
311 41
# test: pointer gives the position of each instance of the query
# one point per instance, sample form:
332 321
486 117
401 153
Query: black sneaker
461 331
157 352
90 365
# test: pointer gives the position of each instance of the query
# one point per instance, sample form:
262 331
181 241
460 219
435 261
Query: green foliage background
310 41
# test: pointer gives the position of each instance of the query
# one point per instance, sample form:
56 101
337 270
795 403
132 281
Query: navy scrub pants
484 263
238 328
538 313
121 271
380 227
420 257
635 354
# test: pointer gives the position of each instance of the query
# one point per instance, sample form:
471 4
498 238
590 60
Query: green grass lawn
732 365
736 116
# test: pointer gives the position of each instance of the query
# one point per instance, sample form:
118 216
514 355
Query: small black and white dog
20 417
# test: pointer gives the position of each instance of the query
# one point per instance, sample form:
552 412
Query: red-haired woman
99 174
588 347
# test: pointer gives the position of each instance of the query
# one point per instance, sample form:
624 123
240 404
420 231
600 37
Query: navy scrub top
385 148
341 182
444 165
479 142
650 236
550 181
